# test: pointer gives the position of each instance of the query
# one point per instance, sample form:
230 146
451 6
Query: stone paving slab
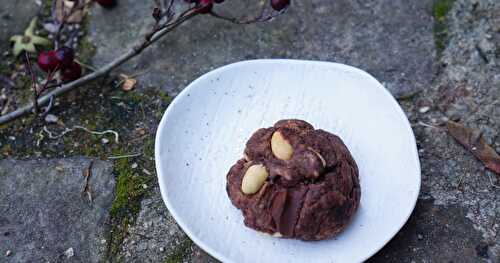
43 215
456 218
392 39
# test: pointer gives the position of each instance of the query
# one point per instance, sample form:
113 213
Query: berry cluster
62 59
205 6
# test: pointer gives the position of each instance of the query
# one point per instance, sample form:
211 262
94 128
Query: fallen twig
89 67
5 108
428 125
29 70
49 107
124 156
67 130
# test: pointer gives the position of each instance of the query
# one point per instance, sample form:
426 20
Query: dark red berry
279 5
65 55
218 1
157 14
205 6
107 3
48 61
74 71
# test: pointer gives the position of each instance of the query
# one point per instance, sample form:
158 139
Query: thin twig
262 17
169 12
124 156
238 21
421 123
5 108
49 79
87 66
33 82
54 85
49 107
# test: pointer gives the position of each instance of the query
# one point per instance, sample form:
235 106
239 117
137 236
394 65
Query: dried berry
107 3
48 61
205 6
65 56
157 13
73 72
279 5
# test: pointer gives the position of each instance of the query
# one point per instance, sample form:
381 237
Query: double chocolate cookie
295 182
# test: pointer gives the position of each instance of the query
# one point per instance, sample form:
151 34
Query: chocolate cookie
295 182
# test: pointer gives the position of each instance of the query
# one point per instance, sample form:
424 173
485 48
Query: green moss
165 97
132 97
180 252
440 12
128 191
149 147
117 235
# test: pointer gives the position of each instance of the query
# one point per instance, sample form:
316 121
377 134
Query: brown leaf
129 84
67 11
474 142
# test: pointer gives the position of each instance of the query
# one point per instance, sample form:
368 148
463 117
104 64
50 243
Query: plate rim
159 167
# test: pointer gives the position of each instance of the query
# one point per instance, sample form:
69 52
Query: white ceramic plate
204 130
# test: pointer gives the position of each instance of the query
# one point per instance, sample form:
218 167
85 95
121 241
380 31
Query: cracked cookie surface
295 182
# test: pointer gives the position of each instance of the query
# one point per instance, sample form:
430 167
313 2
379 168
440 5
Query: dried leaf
128 82
474 142
66 10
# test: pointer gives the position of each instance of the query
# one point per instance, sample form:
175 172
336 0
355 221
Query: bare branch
49 107
262 17
158 31
33 82
124 156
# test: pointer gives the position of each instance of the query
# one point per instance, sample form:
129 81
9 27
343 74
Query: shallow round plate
204 130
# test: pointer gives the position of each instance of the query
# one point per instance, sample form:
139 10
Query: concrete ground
440 58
